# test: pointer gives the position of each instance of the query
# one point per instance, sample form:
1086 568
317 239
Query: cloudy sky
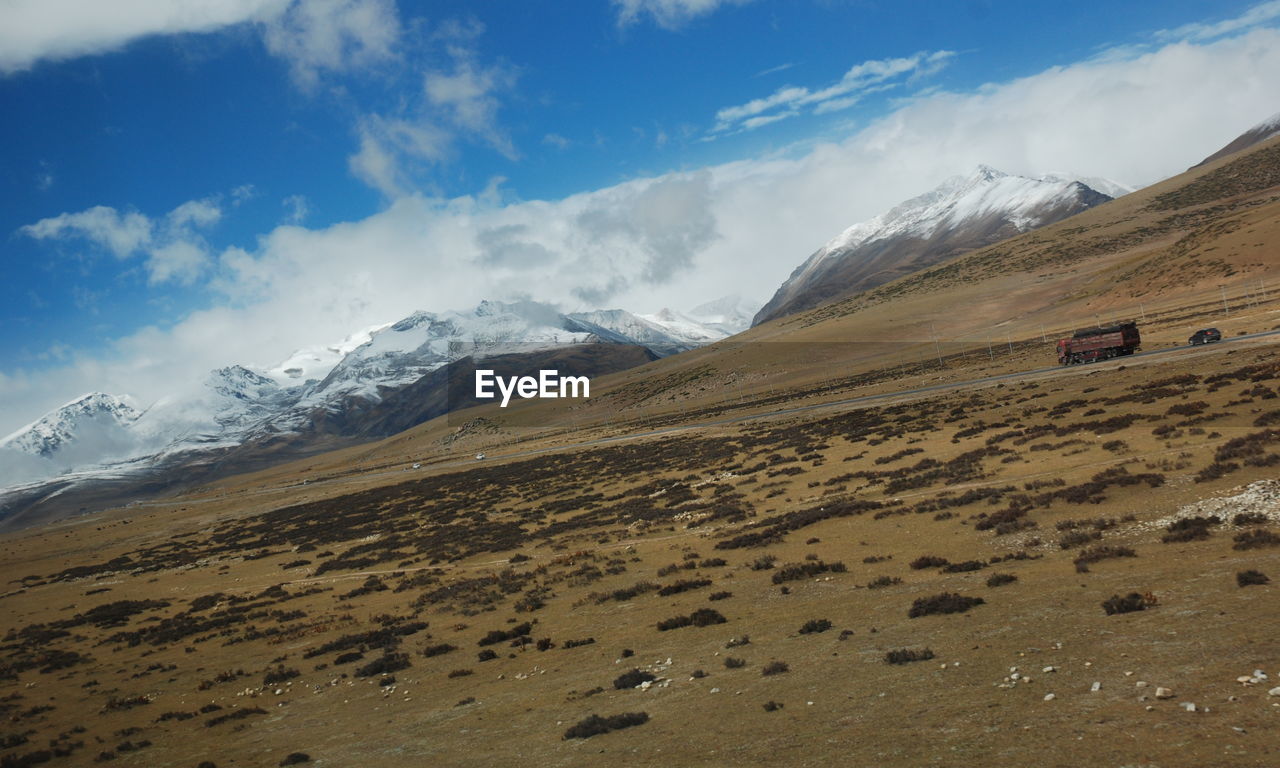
192 183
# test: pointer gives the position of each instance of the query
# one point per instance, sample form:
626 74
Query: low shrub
1251 577
731 662
883 581
632 679
703 617
1256 539
1000 579
906 656
1128 604
967 565
815 625
947 602
775 668
928 561
595 725
772 706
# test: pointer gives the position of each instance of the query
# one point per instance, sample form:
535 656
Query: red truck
1091 344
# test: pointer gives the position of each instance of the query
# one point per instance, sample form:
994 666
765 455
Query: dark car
1205 336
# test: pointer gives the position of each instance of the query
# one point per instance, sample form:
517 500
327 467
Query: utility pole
1043 336
936 347
1223 289
991 354
1009 339
1143 311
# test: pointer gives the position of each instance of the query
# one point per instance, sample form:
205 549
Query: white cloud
459 103
175 251
678 239
866 77
1253 16
332 35
296 208
467 97
670 14
391 149
556 140
313 36
39 30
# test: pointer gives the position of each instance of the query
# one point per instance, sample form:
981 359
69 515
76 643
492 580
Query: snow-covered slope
729 314
325 389
61 429
962 213
665 332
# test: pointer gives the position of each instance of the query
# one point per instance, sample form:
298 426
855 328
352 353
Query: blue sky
191 184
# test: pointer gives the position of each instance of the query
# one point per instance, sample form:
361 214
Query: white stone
1049 697
1049 669
1274 691
1140 684
1097 686
1188 705
1163 693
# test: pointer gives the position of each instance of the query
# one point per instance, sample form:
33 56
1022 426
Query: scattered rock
1274 691
1190 706
1049 697
1097 686
1163 693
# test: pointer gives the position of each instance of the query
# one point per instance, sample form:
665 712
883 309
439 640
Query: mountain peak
59 428
961 213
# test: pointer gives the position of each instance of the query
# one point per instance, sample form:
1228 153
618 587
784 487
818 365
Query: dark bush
967 565
928 561
815 625
632 679
883 581
498 636
1249 518
947 602
296 758
797 571
775 668
347 658
906 656
460 673
488 654
731 662
772 706
1127 604
596 725
1077 538
1256 539
1000 579
1100 553
578 643
683 585
279 675
388 663
719 595
737 642
1251 577
438 650
703 617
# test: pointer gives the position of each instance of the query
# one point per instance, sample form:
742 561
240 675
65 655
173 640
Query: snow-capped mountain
381 380
1259 133
105 417
729 314
665 332
962 213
